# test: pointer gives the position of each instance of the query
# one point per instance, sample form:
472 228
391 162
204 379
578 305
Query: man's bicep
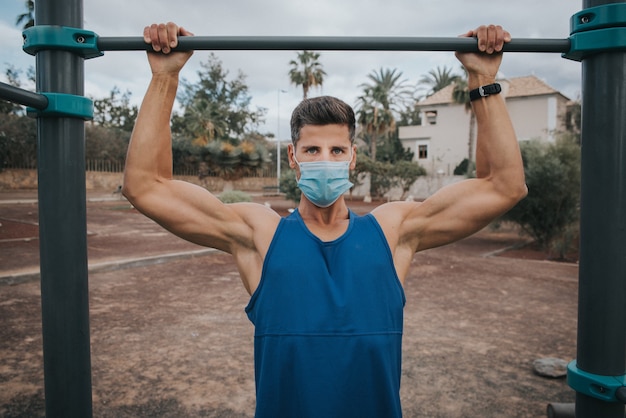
192 213
455 212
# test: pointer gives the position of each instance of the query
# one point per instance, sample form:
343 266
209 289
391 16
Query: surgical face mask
323 182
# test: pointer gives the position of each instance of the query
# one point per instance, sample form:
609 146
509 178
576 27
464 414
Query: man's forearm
497 150
150 150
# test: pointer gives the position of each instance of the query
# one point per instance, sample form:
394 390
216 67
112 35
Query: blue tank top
328 324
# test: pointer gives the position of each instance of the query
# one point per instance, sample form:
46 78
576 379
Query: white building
440 143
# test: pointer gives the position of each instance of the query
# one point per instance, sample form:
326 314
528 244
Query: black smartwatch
485 91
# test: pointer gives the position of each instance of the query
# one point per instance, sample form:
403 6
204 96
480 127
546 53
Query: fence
105 166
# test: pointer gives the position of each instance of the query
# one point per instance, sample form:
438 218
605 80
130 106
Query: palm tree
306 71
460 95
28 17
437 79
383 98
206 121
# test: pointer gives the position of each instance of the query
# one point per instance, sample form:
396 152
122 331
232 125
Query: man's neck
337 212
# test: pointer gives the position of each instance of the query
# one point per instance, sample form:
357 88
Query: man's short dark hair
324 110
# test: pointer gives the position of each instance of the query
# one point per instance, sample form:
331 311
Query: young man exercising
326 285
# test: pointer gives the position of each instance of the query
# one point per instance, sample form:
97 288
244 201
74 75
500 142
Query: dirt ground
169 336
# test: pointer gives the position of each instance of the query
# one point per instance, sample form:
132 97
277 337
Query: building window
431 117
422 152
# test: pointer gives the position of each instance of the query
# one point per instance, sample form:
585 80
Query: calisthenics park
597 40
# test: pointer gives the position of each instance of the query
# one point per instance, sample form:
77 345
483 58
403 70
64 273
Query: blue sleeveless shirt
328 324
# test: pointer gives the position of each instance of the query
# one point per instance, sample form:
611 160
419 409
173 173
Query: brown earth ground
170 338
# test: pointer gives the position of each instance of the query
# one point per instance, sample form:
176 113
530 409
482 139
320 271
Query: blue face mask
323 182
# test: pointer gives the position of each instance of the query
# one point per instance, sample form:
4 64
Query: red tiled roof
517 87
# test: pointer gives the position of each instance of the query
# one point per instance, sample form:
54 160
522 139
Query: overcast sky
267 71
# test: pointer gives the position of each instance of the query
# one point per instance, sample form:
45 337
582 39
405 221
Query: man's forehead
334 132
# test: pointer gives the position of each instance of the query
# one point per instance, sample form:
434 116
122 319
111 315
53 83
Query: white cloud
267 71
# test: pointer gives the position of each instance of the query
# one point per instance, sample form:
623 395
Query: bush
405 174
384 176
551 208
18 141
289 185
462 169
235 196
380 179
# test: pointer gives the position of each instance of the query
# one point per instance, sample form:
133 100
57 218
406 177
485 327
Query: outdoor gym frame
597 39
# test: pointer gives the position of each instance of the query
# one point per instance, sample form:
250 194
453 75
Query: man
326 285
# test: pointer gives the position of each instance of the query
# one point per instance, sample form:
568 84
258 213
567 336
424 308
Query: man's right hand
163 37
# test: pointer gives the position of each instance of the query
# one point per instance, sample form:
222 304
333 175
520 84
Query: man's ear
290 153
353 159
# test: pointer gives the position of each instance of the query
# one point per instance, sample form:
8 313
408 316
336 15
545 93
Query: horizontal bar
326 43
23 97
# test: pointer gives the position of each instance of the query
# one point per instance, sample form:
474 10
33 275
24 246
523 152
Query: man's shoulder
394 210
255 211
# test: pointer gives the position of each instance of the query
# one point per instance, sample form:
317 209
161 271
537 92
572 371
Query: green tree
410 115
216 129
438 79
553 177
18 133
378 172
405 174
392 150
108 133
7 107
384 96
187 157
306 71
384 176
206 121
215 107
115 111
15 78
232 162
289 186
27 18
18 141
105 143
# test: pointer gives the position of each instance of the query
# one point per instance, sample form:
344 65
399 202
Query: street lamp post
278 136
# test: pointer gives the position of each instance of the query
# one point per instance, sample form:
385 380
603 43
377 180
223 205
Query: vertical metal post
278 139
63 226
602 278
278 143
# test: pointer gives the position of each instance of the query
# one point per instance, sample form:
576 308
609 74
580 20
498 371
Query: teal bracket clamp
605 388
46 37
597 29
64 105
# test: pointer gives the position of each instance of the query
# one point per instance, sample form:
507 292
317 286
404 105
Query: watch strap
485 91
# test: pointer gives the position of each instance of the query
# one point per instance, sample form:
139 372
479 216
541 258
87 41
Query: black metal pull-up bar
89 45
23 97
329 43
